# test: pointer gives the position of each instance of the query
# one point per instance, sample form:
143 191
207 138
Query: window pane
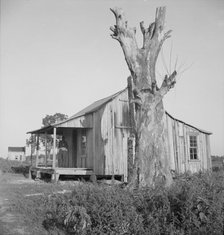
193 147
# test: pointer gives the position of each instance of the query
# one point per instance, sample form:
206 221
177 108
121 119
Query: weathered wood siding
179 147
115 132
108 130
98 143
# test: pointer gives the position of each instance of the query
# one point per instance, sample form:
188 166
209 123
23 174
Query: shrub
105 210
194 204
10 166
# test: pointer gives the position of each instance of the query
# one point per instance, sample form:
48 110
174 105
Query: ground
22 203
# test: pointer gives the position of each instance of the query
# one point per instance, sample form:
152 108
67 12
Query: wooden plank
54 148
209 160
94 143
73 171
170 142
100 140
42 169
185 148
37 151
45 149
63 171
175 146
89 158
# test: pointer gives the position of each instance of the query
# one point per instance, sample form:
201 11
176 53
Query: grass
194 204
28 200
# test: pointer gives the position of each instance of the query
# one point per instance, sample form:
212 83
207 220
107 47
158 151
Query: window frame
193 147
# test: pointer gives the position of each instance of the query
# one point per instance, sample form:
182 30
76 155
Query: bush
96 210
194 204
9 166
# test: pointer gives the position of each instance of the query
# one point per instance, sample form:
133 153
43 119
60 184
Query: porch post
54 148
37 151
31 150
45 149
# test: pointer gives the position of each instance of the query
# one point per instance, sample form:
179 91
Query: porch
69 155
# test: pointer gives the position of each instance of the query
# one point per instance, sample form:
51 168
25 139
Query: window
193 147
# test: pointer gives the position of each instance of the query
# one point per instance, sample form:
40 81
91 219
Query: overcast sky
58 56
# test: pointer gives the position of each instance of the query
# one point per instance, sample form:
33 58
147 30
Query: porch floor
55 173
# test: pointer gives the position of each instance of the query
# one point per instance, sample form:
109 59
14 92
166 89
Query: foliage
52 119
46 121
10 166
32 143
194 204
107 210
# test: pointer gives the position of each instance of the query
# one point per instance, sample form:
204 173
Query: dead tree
151 163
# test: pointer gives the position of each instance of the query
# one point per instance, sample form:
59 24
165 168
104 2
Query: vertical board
170 142
115 133
209 160
89 157
100 128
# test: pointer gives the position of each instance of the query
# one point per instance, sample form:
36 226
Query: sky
58 56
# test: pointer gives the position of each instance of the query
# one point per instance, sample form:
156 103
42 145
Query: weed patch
194 204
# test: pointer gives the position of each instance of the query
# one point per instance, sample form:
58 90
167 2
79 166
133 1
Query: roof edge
107 101
203 131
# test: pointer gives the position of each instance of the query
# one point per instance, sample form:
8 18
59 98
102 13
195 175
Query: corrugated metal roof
16 149
92 107
97 105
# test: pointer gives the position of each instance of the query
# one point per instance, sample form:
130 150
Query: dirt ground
16 189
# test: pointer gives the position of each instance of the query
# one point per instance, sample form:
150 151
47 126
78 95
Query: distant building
16 153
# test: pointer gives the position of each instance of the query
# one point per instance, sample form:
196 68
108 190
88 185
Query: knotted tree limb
126 37
141 61
167 84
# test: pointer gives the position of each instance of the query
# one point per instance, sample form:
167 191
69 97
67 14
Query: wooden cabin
98 142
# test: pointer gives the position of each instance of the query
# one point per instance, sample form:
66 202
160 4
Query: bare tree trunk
151 163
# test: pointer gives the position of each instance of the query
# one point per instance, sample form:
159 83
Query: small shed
17 153
97 141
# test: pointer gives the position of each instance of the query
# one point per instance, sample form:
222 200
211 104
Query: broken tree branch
126 37
167 84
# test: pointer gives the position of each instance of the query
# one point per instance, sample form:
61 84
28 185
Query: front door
82 148
75 150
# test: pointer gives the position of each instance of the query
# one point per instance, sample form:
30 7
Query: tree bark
151 164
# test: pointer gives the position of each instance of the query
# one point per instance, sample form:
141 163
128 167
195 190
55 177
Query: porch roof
78 120
48 129
42 130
